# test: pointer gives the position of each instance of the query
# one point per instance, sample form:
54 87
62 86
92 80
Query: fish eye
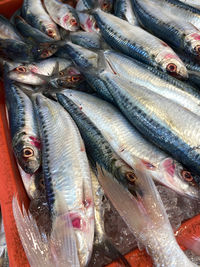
131 177
75 78
73 22
105 6
27 152
45 54
197 49
187 176
171 67
21 69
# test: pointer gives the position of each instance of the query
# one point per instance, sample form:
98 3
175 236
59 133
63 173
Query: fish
169 126
123 10
130 145
155 80
23 127
87 22
34 13
26 52
7 31
146 217
4 260
62 14
26 73
30 33
98 149
66 173
169 27
101 241
138 43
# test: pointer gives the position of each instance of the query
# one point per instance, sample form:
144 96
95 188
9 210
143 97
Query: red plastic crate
11 185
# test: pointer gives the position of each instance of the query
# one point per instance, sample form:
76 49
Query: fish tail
141 210
58 249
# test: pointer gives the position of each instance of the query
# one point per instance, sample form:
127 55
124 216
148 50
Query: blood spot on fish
34 69
196 36
36 142
76 222
87 203
148 165
83 147
169 166
168 56
80 109
65 18
89 23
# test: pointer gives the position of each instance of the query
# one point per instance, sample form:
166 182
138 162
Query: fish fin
55 70
58 249
138 212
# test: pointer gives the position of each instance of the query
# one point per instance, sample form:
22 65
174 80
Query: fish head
25 74
106 5
179 179
27 150
70 81
193 44
70 21
45 50
172 64
88 23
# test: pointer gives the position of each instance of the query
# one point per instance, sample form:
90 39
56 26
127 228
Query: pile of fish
102 97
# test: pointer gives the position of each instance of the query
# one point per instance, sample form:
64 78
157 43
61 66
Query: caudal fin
58 250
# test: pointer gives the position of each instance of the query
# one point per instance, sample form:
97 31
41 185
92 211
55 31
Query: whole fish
87 22
155 80
101 241
26 52
123 10
98 149
63 14
27 73
7 31
169 27
146 217
30 33
23 126
34 13
66 173
168 125
139 44
129 144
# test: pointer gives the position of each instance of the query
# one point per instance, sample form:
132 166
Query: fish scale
161 124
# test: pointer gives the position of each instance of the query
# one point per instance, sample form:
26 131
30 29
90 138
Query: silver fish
66 173
34 13
169 87
129 144
26 73
123 9
63 14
